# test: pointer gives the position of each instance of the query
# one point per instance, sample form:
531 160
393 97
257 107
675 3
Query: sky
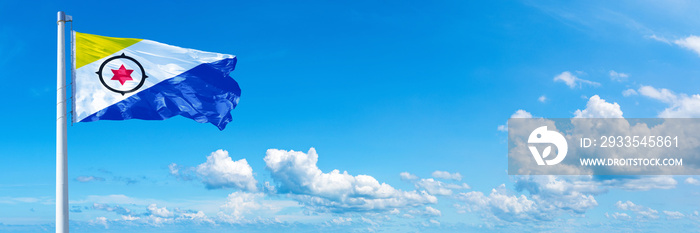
355 116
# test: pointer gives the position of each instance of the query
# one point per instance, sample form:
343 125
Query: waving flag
124 78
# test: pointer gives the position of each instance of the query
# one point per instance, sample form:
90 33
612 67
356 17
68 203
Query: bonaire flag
124 78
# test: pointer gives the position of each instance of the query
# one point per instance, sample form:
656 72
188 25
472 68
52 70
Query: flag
125 78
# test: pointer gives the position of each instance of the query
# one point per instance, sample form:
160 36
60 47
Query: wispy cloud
542 99
691 180
408 176
629 92
447 175
641 211
573 81
85 179
618 76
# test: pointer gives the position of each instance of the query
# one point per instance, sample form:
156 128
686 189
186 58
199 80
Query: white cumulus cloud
518 114
296 174
691 42
599 108
159 212
501 205
220 171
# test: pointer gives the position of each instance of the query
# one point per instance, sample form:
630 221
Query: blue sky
407 100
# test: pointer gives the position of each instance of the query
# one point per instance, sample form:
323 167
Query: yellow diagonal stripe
90 48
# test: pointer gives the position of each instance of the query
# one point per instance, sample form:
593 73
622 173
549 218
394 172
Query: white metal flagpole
61 160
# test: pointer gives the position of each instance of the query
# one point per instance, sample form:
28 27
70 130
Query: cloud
408 176
573 195
447 176
341 221
503 128
157 216
599 108
432 211
641 211
101 221
691 180
85 179
663 95
76 209
18 200
642 183
521 114
567 185
353 223
431 222
297 175
116 209
113 199
673 214
618 216
572 81
159 212
151 215
659 38
686 107
680 105
628 205
174 169
435 187
620 77
518 114
240 203
127 180
129 218
181 172
691 42
220 171
542 99
629 92
553 196
501 205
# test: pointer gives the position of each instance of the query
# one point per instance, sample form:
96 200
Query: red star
122 75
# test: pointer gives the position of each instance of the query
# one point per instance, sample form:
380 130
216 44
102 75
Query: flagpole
61 160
